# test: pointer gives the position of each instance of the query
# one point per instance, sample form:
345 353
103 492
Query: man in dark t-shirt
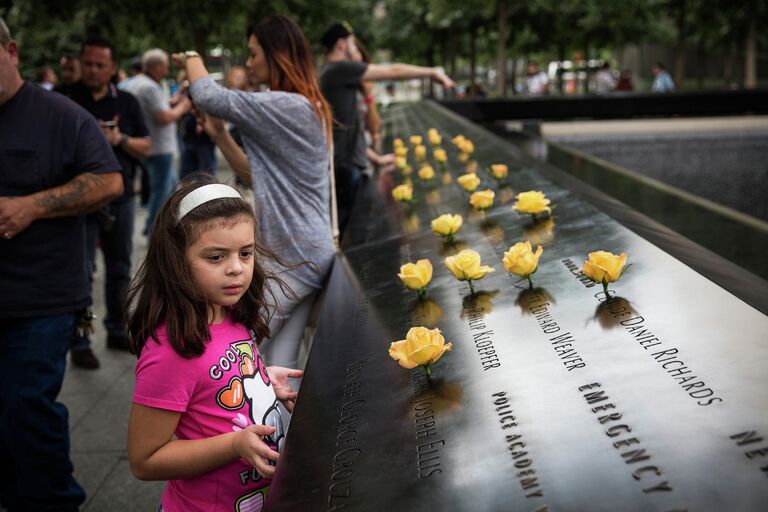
54 166
122 123
340 80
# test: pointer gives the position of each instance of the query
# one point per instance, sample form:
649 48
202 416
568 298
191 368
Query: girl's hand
249 445
279 376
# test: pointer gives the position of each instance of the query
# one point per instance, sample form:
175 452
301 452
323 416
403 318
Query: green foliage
420 32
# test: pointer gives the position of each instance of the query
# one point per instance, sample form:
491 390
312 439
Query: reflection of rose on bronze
447 178
480 303
477 216
506 194
540 232
451 248
411 223
492 231
426 312
449 395
610 313
530 297
433 197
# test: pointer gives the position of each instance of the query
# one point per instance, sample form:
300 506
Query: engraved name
668 358
563 344
482 337
428 440
574 269
340 489
526 474
607 414
760 454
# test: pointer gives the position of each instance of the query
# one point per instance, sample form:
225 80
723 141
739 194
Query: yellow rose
447 225
604 267
416 276
407 171
458 139
421 347
532 202
464 157
426 173
398 143
447 178
401 151
440 156
482 200
401 162
434 138
499 171
521 260
466 266
468 182
402 193
415 140
420 152
466 146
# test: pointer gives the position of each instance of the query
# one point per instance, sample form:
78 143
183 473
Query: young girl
285 132
207 414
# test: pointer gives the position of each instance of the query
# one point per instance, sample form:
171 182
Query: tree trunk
430 58
701 64
680 47
472 53
501 49
728 66
453 43
750 48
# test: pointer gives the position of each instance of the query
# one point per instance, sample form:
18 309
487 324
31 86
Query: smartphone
108 124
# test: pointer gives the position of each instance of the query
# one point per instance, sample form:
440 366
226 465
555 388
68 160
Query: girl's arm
154 455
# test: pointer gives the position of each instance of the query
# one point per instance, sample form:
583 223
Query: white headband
203 195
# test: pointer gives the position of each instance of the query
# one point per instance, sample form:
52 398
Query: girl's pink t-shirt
225 389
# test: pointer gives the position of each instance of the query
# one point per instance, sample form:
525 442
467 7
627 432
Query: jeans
197 156
35 470
117 245
161 183
348 180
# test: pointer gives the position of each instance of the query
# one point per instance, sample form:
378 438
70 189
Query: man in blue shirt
55 165
663 82
122 123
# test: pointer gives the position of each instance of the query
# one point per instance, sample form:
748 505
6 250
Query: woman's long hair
291 67
164 292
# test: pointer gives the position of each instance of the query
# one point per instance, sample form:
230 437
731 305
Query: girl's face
257 62
221 261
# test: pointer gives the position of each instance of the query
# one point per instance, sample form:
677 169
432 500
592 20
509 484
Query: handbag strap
334 204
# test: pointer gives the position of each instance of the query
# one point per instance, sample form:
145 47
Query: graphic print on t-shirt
253 387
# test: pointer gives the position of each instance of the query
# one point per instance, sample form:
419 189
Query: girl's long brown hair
164 292
291 67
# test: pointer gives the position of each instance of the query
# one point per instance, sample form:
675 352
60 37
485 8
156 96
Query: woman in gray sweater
286 134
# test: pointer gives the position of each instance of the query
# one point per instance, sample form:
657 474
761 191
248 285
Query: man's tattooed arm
83 194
